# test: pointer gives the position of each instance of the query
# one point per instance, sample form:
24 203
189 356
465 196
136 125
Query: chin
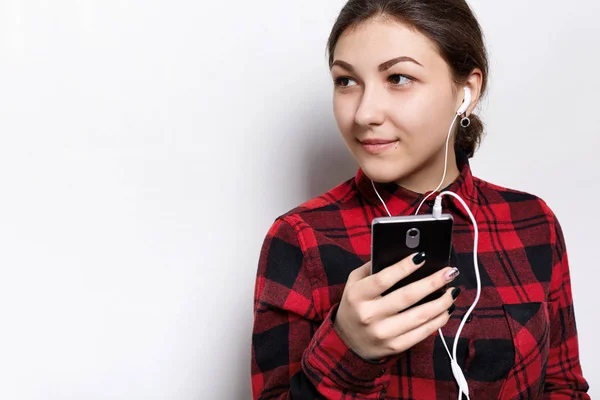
383 172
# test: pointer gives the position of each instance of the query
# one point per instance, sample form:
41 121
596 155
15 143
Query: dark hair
449 24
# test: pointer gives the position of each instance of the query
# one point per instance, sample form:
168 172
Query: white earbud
466 102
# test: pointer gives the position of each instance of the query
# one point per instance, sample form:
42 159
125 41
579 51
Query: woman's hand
376 326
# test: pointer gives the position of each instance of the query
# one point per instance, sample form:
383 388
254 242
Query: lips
378 141
377 146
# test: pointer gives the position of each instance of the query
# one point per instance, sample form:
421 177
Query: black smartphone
395 238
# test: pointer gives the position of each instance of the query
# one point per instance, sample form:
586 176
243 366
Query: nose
370 110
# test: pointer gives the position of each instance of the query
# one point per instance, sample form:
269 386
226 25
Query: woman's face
394 101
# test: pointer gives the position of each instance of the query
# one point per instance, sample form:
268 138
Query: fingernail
452 274
455 293
451 309
419 258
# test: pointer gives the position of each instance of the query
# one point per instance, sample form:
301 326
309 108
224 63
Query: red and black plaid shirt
521 342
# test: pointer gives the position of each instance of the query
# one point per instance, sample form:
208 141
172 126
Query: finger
360 273
401 323
374 285
417 335
410 294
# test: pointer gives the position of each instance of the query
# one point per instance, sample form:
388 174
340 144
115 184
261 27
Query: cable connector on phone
437 207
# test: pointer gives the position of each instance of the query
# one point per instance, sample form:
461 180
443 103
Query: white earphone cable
437 210
380 199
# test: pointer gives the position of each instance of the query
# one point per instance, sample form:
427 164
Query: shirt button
381 373
430 203
469 318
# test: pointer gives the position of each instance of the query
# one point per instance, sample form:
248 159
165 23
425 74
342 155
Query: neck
427 178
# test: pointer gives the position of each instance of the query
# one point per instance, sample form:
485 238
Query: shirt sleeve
564 376
296 352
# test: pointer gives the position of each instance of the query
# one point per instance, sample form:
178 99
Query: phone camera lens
413 233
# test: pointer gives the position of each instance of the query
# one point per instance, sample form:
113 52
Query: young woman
401 70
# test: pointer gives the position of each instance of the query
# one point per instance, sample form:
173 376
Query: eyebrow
382 67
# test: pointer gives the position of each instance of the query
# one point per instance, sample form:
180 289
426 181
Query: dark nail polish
455 293
419 258
451 309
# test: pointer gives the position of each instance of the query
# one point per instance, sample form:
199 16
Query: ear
474 82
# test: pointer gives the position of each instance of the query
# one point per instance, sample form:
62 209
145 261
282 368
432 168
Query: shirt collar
401 201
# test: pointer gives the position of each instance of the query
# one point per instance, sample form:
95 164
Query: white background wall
147 145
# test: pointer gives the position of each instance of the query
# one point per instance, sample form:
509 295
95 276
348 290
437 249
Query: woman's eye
344 81
399 80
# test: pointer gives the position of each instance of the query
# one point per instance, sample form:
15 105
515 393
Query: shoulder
334 198
308 223
522 209
323 210
518 202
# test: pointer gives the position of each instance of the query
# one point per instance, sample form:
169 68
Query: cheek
426 119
